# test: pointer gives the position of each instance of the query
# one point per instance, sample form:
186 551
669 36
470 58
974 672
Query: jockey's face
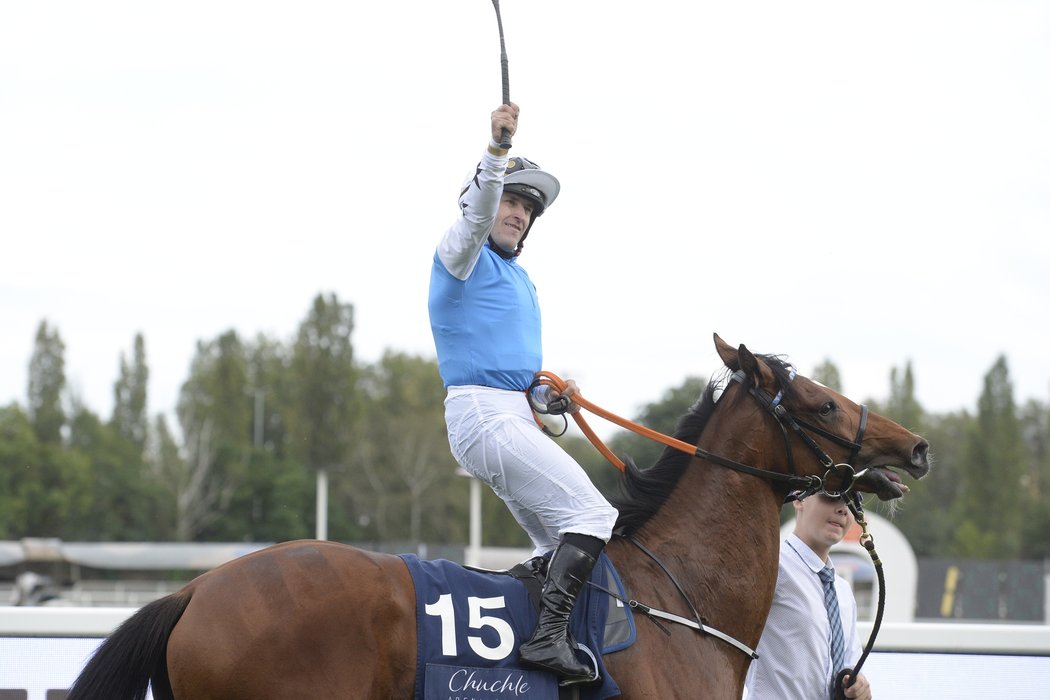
512 220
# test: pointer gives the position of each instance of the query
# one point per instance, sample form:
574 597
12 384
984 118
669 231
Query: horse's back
300 619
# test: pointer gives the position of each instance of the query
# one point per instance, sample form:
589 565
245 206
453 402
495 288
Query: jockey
485 317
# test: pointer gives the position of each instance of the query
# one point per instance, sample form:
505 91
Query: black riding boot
551 647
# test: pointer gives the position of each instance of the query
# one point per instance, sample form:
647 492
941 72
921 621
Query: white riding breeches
494 437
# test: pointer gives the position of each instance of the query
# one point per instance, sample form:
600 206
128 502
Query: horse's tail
122 666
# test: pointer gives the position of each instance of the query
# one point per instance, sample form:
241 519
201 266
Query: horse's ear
739 359
728 353
748 363
757 371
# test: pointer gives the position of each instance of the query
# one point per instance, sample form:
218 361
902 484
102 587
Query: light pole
322 505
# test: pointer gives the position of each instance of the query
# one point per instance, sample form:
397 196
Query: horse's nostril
919 454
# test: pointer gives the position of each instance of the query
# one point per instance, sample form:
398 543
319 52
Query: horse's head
826 434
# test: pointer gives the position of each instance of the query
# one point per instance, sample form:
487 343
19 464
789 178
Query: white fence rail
61 621
948 638
43 649
960 638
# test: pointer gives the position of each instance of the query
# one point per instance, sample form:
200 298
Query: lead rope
869 544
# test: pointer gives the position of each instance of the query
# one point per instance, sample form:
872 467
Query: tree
924 515
215 414
1035 438
272 503
47 379
402 450
988 510
827 373
19 450
902 406
130 418
124 500
323 375
273 499
167 471
46 487
916 513
1035 430
273 393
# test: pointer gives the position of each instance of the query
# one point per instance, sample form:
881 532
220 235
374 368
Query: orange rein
554 381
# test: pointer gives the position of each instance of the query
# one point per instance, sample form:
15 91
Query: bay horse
698 536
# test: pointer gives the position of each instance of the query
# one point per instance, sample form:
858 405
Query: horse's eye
827 408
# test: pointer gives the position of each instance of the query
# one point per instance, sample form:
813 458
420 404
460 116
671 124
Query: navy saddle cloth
469 621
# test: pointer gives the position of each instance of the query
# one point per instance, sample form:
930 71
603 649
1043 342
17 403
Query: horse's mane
643 491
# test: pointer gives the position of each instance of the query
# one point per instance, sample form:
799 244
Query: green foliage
274 502
324 384
402 472
971 542
19 451
917 514
991 473
1035 482
258 419
272 388
122 499
1035 530
902 406
922 515
130 418
500 529
47 379
827 373
52 491
215 414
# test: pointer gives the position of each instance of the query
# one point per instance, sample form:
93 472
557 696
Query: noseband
804 485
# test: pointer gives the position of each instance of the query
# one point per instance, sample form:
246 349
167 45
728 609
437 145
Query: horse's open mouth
883 482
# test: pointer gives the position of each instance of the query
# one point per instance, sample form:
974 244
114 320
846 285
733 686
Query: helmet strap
498 250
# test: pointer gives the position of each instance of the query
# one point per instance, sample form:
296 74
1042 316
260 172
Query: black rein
806 485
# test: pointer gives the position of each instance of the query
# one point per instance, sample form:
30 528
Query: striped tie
831 602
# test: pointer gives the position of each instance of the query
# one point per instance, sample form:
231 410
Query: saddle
470 623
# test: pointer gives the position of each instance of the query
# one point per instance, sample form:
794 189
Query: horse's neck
721 531
721 516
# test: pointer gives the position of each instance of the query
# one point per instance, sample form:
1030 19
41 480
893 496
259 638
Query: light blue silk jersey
486 327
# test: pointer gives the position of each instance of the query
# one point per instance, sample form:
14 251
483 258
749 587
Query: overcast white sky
862 182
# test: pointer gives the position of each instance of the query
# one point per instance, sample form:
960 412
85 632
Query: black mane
643 491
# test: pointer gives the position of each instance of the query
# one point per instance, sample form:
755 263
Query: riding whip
505 137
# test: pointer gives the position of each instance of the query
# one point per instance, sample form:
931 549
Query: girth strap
696 623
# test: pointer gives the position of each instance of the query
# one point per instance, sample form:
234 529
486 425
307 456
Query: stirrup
555 666
594 664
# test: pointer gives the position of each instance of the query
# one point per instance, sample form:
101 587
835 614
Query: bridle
802 486
798 486
844 471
